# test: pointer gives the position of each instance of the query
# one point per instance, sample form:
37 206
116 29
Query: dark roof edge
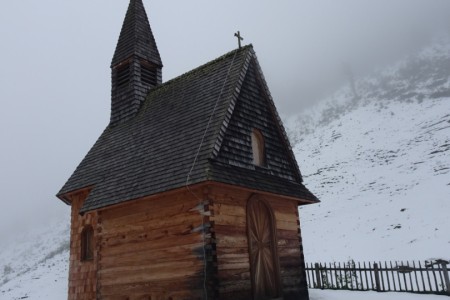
63 199
191 185
68 190
280 126
198 69
63 196
196 184
231 106
307 200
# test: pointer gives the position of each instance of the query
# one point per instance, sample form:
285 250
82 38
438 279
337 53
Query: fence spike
372 285
318 276
435 279
415 274
377 276
365 273
429 279
410 276
393 275
331 276
380 266
421 276
387 276
360 276
447 279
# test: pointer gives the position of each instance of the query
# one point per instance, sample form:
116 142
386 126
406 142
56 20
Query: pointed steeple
136 65
136 37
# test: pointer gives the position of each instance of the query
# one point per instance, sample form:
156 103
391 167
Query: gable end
252 109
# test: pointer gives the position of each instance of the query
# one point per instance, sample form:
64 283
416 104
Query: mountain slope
425 75
384 181
35 265
378 157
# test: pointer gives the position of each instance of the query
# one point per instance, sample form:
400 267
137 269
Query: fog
55 76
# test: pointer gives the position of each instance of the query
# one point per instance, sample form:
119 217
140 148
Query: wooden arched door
262 249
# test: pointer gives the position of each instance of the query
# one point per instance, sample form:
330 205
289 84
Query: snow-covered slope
383 177
379 160
35 265
415 78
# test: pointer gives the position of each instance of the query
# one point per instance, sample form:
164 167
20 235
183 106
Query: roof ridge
232 104
198 69
166 85
278 121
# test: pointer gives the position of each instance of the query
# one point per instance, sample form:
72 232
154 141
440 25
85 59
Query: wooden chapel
192 190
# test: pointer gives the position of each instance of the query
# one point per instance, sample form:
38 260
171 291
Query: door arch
262 244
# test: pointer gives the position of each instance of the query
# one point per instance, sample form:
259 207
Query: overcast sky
55 76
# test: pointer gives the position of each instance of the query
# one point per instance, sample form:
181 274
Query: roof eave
66 197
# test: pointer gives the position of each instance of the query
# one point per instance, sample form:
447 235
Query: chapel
192 190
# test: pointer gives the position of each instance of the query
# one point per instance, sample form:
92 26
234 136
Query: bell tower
136 66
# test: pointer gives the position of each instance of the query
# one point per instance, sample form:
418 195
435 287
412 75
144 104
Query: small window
258 148
87 243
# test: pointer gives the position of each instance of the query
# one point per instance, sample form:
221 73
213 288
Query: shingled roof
136 37
192 129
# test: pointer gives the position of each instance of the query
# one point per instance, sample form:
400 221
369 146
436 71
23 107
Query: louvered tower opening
122 75
149 74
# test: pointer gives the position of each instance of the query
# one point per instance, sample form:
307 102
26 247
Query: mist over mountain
376 154
419 76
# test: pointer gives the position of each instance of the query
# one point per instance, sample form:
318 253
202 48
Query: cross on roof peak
238 35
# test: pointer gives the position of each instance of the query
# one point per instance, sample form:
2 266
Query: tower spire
136 37
136 64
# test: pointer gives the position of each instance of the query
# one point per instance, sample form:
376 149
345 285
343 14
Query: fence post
447 280
377 277
318 277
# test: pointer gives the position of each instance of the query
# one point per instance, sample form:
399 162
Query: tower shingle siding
136 66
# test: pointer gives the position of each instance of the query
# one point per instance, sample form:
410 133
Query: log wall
82 274
228 216
153 249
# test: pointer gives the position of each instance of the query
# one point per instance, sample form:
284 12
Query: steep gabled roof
178 138
136 37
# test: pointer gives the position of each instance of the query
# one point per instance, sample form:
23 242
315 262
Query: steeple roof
136 37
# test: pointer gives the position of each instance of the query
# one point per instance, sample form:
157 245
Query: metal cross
238 35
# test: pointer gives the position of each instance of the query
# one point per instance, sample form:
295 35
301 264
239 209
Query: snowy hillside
383 177
380 163
416 78
35 265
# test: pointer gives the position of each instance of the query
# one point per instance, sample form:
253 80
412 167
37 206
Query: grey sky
55 76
